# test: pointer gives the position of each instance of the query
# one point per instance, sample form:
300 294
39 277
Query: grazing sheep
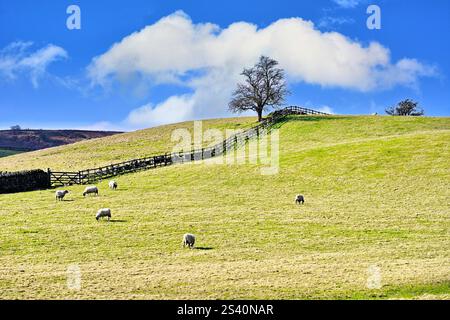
113 185
299 199
59 194
105 212
90 190
188 240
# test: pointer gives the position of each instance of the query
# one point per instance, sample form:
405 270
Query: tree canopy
406 107
264 87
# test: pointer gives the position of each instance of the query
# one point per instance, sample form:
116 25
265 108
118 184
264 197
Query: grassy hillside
377 193
121 147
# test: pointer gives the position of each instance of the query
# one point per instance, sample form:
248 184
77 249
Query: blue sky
137 64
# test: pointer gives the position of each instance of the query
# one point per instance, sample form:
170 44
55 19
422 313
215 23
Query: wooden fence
304 111
235 141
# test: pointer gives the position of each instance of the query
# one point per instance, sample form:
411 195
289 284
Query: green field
6 152
377 193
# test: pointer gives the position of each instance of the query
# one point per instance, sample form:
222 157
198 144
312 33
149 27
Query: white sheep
299 199
105 212
59 194
90 190
188 240
113 185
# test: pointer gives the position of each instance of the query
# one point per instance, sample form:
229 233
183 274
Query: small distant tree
264 88
406 107
16 127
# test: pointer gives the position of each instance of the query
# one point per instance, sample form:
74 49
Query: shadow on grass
117 221
203 248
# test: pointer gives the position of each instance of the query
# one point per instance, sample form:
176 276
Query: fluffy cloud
18 58
208 60
174 109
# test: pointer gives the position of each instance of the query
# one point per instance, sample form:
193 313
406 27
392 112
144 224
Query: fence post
49 173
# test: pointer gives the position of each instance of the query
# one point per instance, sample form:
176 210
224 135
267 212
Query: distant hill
30 140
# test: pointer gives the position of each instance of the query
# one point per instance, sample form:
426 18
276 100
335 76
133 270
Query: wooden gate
64 178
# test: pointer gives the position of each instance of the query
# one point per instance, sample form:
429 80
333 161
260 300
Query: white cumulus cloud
208 60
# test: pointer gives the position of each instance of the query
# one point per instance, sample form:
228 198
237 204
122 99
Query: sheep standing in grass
59 194
188 240
105 212
299 199
90 190
113 185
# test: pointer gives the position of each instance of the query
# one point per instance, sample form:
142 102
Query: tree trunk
259 115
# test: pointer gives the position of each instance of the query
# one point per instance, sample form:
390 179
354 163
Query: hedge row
23 181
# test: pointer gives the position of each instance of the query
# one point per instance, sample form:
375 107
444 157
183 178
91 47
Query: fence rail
64 178
97 174
304 111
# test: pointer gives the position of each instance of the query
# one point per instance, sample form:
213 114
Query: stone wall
24 181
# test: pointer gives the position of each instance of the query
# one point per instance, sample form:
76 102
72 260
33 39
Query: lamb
59 194
188 240
89 190
113 185
299 199
105 212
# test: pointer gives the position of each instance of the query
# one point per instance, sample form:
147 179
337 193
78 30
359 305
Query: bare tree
264 88
405 108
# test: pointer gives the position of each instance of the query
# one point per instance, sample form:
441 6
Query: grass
6 152
376 189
